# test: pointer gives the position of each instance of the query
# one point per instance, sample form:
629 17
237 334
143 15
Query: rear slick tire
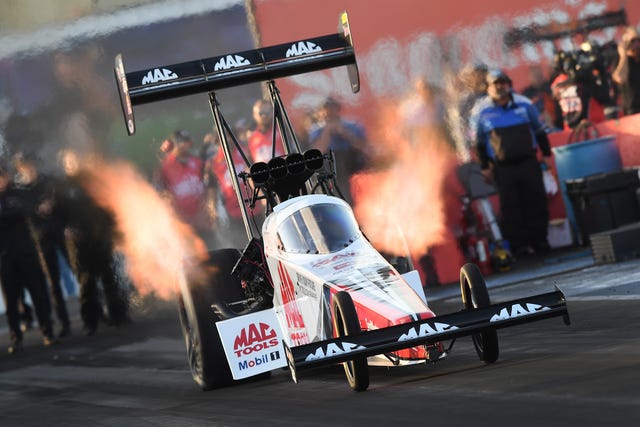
475 295
346 323
207 360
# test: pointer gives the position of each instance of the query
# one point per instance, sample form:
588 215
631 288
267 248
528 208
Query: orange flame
155 243
401 207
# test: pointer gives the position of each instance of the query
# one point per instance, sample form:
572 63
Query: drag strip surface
584 374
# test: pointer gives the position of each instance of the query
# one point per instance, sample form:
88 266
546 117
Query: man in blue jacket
507 135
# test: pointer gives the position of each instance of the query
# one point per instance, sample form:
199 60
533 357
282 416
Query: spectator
508 132
242 131
474 86
261 145
166 147
48 231
181 177
627 72
20 266
92 232
583 93
347 139
218 177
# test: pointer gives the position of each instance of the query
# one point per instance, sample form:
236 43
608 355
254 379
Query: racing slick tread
474 295
208 362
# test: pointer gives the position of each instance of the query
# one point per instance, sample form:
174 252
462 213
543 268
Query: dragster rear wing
427 331
224 71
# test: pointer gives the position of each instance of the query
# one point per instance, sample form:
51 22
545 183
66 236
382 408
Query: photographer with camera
627 72
582 86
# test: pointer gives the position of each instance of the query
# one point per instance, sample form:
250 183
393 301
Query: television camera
581 64
587 63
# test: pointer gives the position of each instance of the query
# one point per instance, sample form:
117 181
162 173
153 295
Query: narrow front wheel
475 295
346 323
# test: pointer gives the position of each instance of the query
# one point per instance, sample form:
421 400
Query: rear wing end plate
235 69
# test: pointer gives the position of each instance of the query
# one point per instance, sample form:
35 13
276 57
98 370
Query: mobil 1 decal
252 343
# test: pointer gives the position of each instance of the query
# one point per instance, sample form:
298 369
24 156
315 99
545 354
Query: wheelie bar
427 331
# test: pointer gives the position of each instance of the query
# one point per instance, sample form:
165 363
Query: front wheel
475 295
345 323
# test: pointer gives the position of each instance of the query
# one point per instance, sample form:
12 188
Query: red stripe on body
295 323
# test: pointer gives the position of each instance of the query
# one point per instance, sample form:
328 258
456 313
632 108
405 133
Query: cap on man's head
181 136
497 75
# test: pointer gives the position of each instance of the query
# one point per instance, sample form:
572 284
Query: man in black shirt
20 265
93 231
627 73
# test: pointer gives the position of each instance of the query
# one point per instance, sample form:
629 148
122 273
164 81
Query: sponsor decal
159 75
252 343
230 61
306 286
257 361
302 48
333 349
517 310
426 329
337 257
255 337
342 266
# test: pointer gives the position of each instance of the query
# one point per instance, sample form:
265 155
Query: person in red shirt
181 177
261 139
218 177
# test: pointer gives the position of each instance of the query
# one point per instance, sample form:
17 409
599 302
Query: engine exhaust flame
155 243
400 204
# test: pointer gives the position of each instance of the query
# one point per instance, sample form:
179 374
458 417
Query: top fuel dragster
308 289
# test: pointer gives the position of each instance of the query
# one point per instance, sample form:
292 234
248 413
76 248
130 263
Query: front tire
207 360
345 323
475 295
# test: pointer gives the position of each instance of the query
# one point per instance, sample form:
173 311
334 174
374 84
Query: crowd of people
44 218
50 226
508 129
198 183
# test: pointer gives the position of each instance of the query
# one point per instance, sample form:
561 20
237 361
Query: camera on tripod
587 63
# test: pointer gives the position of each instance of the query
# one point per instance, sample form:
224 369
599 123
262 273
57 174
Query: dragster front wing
439 328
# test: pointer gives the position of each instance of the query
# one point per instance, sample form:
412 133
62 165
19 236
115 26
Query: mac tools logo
518 310
159 75
333 349
255 337
302 48
425 330
230 61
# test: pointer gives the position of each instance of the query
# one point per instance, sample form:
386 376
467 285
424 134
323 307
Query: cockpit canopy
318 229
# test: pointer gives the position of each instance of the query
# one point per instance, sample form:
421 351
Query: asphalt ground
585 374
